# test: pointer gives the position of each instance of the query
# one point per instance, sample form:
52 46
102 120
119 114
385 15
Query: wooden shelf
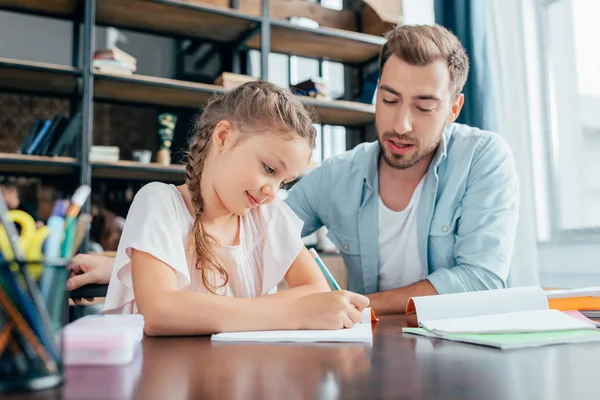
36 165
135 170
333 44
37 77
152 90
345 113
175 17
53 8
142 89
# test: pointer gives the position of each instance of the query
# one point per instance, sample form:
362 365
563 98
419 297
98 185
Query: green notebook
507 341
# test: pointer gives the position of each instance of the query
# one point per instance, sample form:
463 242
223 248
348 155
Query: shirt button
445 228
346 247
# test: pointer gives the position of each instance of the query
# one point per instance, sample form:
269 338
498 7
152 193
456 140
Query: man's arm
304 199
394 301
484 238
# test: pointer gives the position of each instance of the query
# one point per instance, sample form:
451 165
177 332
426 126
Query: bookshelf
229 23
189 19
37 165
131 170
34 77
334 44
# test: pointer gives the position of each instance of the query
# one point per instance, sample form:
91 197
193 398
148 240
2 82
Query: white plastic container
102 340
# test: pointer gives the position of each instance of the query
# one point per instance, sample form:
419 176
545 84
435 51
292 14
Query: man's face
414 104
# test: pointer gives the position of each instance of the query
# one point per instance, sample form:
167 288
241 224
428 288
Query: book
509 341
587 298
514 310
361 332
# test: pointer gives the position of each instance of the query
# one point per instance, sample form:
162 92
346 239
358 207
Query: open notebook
358 333
515 310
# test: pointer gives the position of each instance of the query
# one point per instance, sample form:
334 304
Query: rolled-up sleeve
486 230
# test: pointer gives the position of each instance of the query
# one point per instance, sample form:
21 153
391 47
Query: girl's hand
331 310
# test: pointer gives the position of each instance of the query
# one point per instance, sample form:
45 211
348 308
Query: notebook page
361 332
517 322
458 305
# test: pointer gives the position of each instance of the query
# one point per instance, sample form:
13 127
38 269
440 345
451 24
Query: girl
205 257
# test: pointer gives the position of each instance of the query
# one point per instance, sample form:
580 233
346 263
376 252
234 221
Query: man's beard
400 161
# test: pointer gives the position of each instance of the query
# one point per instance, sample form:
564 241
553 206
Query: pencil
32 290
26 331
324 269
5 336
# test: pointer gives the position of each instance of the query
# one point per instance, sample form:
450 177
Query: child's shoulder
156 191
156 195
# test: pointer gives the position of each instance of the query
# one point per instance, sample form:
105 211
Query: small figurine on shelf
166 130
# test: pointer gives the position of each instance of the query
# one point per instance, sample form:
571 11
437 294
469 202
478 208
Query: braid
201 240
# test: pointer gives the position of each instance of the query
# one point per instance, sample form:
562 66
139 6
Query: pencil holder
33 309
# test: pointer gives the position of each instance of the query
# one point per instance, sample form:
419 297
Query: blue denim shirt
467 216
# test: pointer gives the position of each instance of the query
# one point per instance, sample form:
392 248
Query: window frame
557 233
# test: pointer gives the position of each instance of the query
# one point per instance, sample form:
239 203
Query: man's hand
394 301
86 269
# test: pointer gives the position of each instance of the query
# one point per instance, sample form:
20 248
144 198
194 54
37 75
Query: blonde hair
424 44
251 108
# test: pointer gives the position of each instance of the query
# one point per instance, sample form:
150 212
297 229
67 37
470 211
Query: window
569 33
288 70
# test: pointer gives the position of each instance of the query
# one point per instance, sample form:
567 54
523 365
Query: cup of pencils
33 295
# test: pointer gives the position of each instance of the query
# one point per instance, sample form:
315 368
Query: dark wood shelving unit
333 44
131 170
142 89
231 29
51 8
175 18
27 76
37 165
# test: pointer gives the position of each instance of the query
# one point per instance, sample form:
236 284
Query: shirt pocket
442 238
444 223
346 243
349 249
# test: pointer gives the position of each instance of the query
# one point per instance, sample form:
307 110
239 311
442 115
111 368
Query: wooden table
398 366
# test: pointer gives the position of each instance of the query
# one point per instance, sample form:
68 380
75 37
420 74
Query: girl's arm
168 311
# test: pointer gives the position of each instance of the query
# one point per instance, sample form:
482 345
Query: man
431 206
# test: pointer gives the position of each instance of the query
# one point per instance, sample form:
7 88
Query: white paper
358 333
458 305
361 332
518 322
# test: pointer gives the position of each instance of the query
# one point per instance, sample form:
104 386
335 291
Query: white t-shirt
399 260
159 223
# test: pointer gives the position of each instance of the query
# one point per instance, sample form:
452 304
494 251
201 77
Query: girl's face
249 170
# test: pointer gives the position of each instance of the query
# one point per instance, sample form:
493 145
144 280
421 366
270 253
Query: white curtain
506 39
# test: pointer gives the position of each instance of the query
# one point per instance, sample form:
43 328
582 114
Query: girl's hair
251 108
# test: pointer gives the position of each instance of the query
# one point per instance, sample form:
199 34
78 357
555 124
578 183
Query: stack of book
230 80
314 87
104 154
114 61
